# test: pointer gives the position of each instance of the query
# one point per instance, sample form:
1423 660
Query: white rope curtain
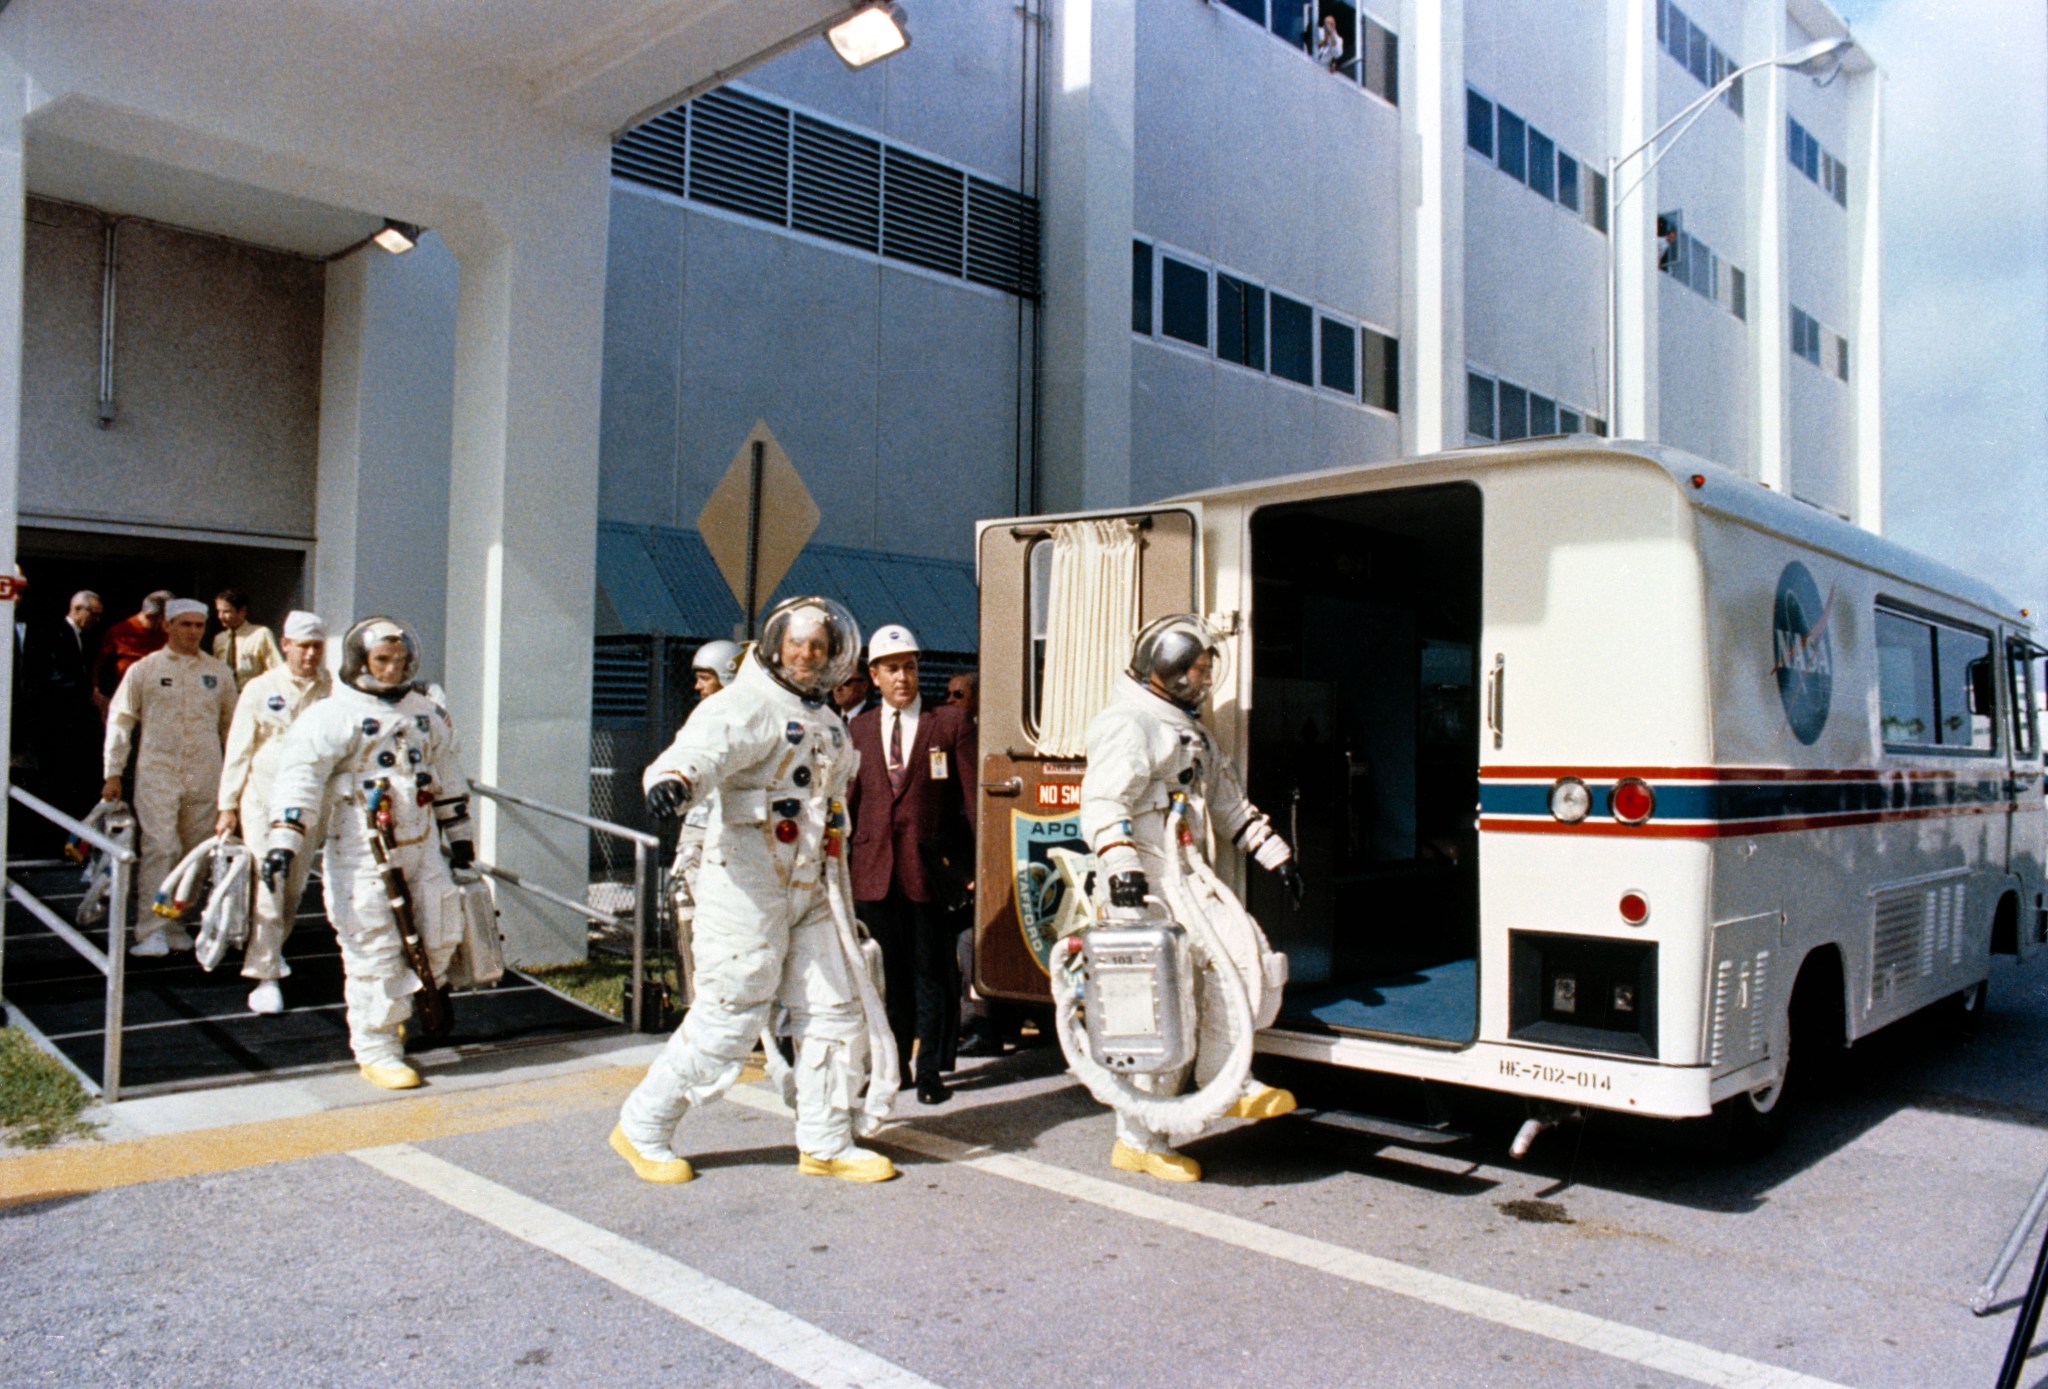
1091 621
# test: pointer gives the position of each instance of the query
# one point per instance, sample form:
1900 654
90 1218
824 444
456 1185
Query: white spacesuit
376 745
716 665
269 705
173 708
1146 751
773 920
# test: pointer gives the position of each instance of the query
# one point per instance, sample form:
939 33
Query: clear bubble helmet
809 645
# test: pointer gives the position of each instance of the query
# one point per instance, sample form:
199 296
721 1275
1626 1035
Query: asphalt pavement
479 1231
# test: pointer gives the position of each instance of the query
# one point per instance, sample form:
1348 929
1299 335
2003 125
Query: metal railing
113 961
647 875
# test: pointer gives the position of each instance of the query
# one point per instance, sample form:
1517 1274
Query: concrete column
1092 49
1865 273
1433 229
14 99
1769 322
522 530
1633 75
387 373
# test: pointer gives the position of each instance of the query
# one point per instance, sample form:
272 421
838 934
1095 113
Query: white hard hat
721 658
892 640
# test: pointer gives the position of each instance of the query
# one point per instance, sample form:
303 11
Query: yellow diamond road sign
757 520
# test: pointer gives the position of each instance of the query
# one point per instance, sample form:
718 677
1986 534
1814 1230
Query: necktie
895 751
231 651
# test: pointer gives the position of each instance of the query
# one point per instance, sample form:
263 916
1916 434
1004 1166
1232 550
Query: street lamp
1820 60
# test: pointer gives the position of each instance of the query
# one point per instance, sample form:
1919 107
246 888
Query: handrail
646 884
121 852
589 822
113 962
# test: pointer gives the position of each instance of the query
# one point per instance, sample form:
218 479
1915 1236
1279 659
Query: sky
1964 169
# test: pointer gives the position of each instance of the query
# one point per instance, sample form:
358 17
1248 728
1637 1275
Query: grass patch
40 1101
599 982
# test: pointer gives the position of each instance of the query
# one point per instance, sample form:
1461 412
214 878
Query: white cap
304 626
178 607
892 640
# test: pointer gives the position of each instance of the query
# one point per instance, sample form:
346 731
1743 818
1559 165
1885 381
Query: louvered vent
739 154
838 184
1898 932
1002 238
922 212
657 152
619 681
737 151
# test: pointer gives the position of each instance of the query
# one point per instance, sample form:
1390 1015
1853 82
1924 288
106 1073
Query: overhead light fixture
870 34
1820 60
397 237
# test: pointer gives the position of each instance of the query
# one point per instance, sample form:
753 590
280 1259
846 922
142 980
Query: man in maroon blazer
914 795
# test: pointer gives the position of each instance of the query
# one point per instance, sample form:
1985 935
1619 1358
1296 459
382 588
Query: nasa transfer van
1618 780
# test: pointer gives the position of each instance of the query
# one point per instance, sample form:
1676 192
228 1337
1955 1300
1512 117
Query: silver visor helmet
1169 649
809 645
721 658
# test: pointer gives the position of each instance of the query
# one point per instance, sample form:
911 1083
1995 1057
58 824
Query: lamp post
1820 60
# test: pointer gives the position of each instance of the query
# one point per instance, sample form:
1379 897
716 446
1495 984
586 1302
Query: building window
1569 421
1805 336
1254 10
1513 412
1479 405
1293 341
1380 73
1141 288
1842 358
1596 200
1340 356
1382 371
1478 123
1240 322
1183 301
1512 141
1738 293
1542 415
1692 50
1542 163
1567 181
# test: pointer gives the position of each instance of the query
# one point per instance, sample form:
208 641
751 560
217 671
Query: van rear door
1031 789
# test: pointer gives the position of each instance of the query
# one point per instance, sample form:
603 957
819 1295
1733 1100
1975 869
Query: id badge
938 764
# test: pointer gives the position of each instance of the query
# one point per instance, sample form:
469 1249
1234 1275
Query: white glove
1118 859
1272 852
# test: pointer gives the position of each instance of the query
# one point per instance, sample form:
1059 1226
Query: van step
1393 1130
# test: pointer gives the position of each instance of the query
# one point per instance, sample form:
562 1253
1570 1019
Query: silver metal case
1138 978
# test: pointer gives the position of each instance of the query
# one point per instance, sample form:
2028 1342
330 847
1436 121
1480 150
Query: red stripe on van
1726 829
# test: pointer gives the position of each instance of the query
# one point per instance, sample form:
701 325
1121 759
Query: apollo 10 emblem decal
1803 651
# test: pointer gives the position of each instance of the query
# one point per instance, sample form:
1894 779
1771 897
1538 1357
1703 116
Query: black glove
1290 876
1128 889
461 854
277 868
668 798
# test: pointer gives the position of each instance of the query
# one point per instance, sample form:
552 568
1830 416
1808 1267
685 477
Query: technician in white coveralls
376 743
1145 749
270 704
773 923
172 708
716 665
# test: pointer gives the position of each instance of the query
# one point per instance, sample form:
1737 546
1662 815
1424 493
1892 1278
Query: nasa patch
1803 652
426 725
212 682
275 704
795 732
371 727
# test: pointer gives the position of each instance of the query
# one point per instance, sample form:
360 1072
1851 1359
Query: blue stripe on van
1764 800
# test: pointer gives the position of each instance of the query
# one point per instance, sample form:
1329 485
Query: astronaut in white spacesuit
376 749
172 708
1146 752
773 918
716 665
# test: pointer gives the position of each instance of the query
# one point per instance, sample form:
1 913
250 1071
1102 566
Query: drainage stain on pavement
1537 1212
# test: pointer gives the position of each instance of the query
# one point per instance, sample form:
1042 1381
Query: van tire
1961 1014
1810 1042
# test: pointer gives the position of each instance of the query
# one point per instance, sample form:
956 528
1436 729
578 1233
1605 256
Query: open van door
1061 598
2026 821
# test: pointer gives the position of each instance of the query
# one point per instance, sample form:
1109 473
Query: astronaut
178 702
270 703
716 665
773 924
1145 750
376 744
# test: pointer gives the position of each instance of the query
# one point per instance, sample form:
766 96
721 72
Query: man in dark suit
913 835
57 663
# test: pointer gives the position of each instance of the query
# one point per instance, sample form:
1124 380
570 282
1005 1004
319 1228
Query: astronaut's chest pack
1188 767
393 755
799 787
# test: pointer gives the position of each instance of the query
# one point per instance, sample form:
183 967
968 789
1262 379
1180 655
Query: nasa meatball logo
1803 651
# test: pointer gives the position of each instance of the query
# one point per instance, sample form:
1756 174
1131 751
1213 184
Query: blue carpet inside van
1439 1002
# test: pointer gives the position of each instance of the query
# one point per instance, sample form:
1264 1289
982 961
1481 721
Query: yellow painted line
86 1167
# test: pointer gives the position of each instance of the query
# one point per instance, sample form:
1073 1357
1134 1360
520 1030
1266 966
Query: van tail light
1635 908
1633 801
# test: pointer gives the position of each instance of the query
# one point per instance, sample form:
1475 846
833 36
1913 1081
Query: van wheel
1809 1041
1962 1013
1751 1124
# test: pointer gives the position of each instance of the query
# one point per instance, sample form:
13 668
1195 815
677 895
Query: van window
1931 678
2021 694
1038 605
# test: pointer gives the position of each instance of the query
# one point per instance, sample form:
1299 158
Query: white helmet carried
809 645
721 658
893 640
1169 649
355 655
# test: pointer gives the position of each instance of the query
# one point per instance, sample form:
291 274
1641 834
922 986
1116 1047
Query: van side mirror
1983 694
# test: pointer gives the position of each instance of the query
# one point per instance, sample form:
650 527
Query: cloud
1965 208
